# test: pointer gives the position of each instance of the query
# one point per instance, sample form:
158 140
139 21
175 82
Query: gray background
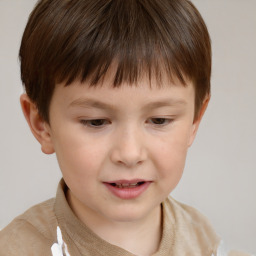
220 173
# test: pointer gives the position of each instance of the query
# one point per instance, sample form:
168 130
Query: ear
197 121
40 129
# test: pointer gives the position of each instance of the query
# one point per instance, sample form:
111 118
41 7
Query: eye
97 123
160 121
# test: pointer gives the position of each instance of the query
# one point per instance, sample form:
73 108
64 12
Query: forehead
145 92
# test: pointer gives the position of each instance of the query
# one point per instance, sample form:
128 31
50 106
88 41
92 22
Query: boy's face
121 150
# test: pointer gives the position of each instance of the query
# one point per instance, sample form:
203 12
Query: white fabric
222 250
57 248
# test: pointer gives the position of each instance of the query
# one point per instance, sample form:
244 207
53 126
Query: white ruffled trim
60 248
222 250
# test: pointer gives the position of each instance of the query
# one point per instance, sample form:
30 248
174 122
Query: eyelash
99 123
163 121
89 123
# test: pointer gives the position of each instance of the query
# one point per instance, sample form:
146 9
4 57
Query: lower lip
128 193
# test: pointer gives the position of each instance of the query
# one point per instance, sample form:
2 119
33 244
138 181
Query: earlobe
198 119
40 129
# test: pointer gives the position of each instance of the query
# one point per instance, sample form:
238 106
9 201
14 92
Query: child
117 89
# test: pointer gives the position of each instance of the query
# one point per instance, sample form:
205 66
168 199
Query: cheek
78 157
170 155
80 169
170 167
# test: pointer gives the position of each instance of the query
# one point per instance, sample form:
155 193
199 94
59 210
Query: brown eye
94 122
159 121
97 122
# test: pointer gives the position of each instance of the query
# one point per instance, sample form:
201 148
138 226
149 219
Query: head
117 89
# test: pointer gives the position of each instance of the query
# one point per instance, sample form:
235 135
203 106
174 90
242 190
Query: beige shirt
185 232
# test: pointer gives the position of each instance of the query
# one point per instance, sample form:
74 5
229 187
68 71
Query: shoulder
30 233
193 230
184 212
190 218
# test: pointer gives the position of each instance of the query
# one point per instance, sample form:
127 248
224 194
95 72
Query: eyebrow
91 103
165 103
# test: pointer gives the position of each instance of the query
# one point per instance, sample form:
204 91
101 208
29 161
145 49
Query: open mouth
127 185
127 189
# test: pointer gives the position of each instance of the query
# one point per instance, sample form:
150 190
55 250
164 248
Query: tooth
126 185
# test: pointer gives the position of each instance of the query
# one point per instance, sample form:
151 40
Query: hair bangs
134 44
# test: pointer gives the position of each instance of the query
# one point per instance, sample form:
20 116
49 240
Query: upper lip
133 181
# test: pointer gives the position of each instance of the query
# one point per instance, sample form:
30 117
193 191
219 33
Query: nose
128 148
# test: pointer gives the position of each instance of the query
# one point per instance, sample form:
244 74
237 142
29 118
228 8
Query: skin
103 134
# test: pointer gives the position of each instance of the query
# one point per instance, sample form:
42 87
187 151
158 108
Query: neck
140 237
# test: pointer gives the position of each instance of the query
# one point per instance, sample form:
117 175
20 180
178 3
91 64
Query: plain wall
220 174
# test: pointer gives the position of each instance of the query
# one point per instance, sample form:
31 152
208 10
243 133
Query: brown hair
66 40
